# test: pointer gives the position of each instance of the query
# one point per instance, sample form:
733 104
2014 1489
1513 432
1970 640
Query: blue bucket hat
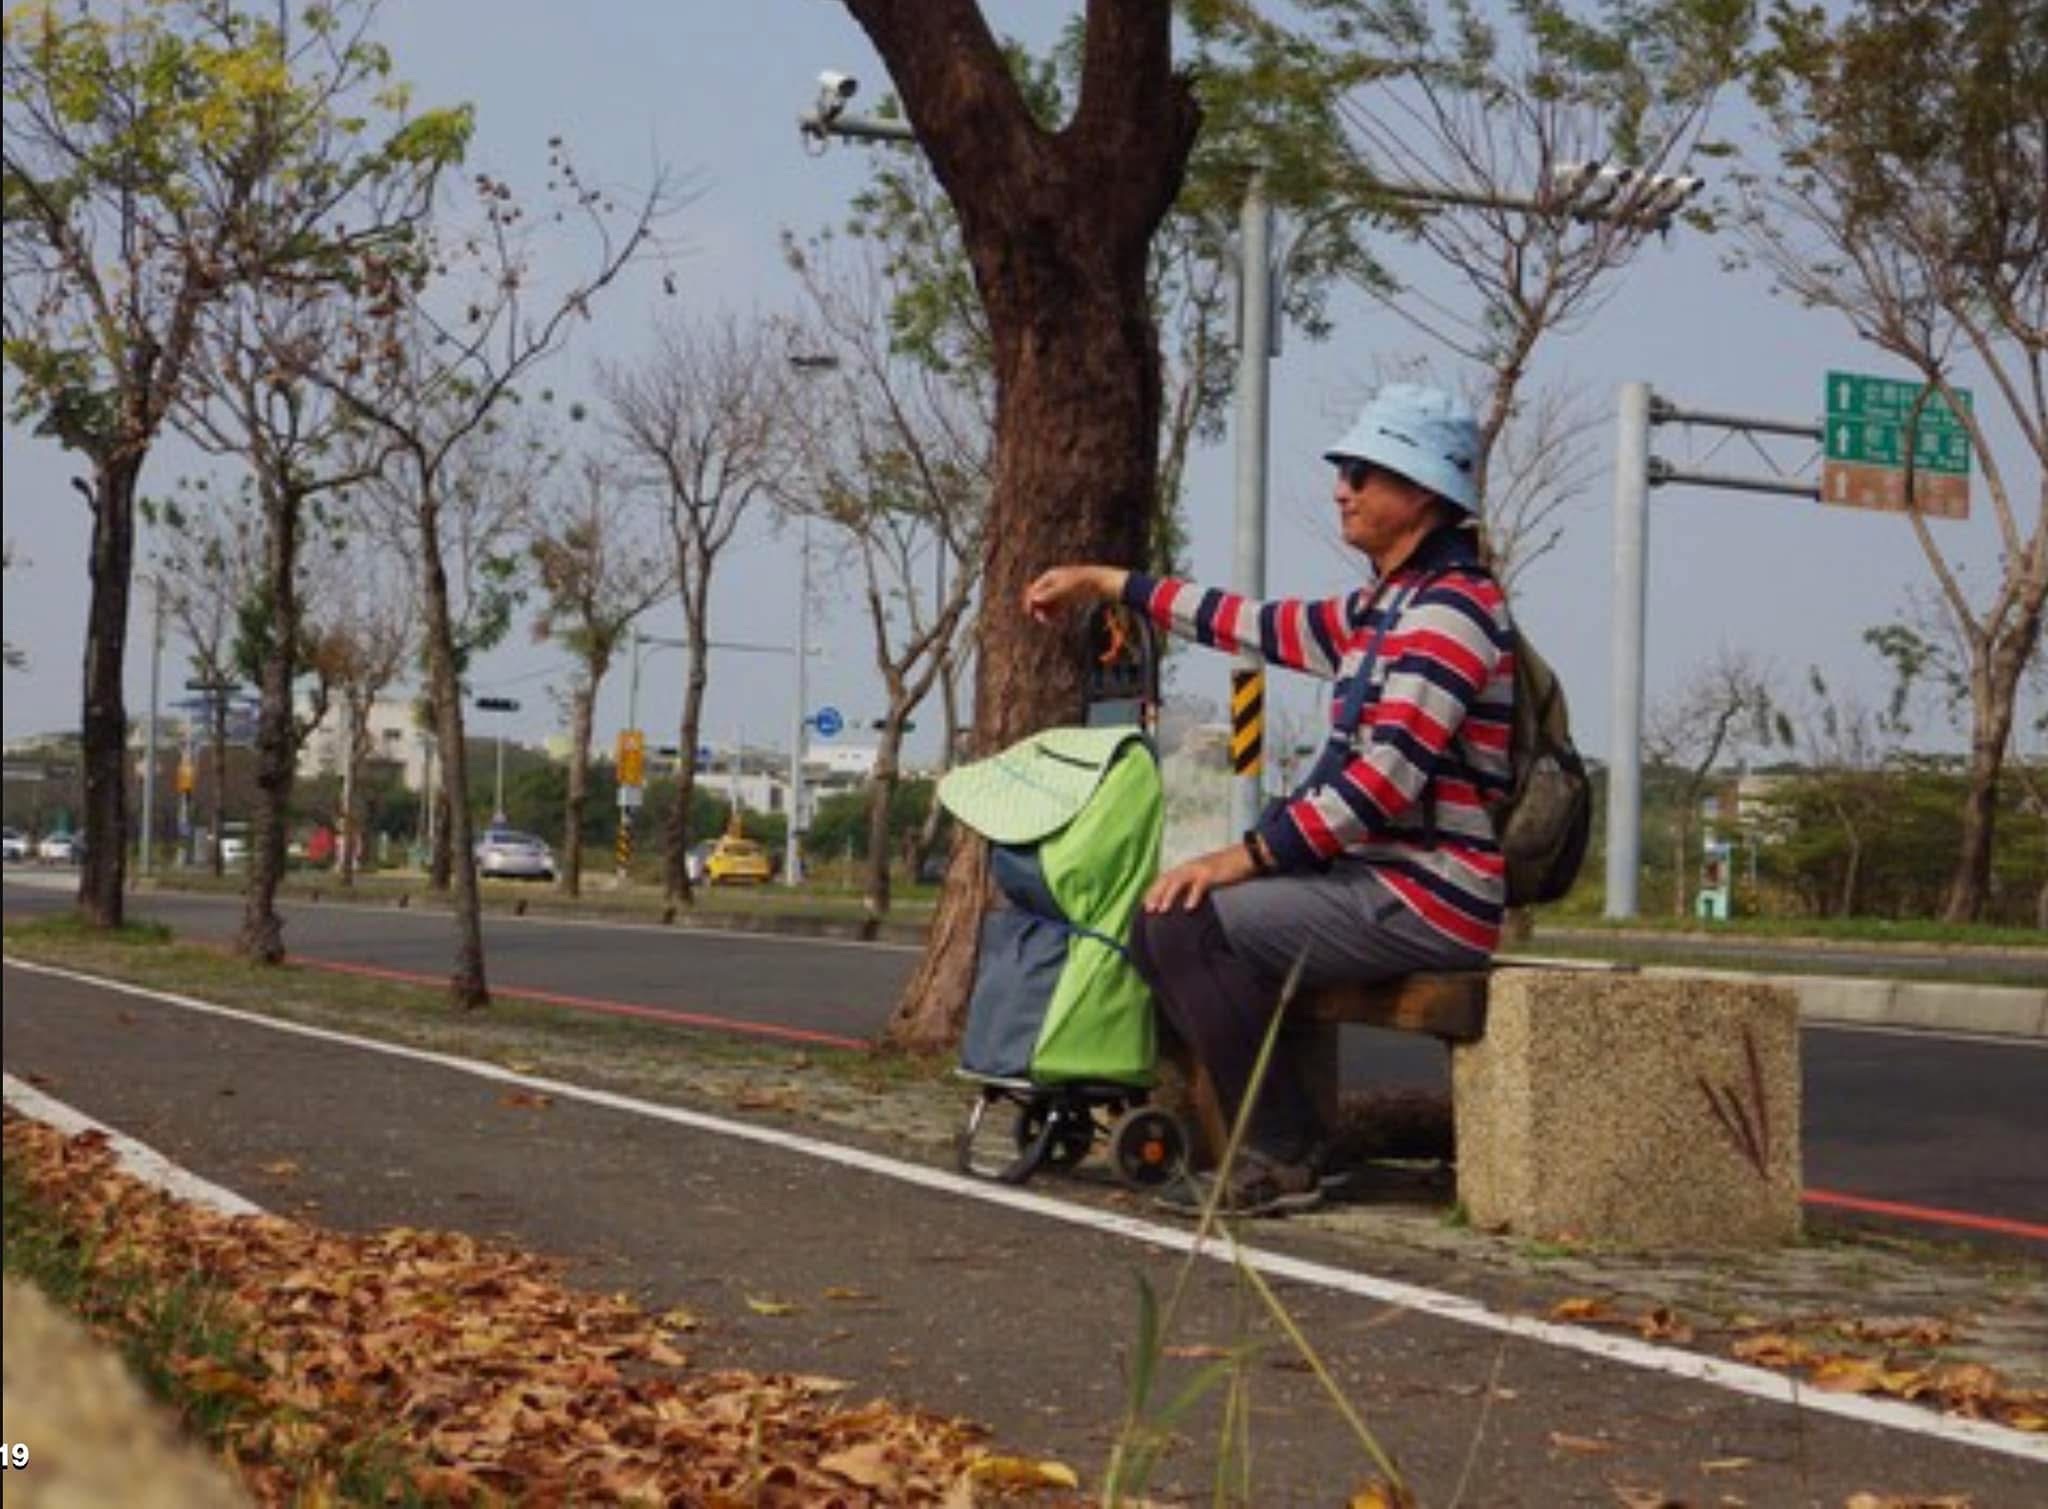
1424 434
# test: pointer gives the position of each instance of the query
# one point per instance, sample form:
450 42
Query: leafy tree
701 419
1721 709
1909 196
896 456
365 638
440 339
598 574
155 160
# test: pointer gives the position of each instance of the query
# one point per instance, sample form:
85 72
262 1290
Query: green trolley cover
1082 809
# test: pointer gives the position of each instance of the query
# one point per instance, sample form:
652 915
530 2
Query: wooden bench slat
1451 1006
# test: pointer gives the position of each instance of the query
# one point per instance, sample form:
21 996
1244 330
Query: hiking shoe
1256 1188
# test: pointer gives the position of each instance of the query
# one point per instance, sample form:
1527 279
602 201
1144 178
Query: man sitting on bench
1383 862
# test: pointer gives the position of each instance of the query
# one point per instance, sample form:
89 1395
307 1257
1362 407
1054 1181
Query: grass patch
1906 931
70 929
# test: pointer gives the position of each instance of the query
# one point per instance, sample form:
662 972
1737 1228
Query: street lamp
498 705
808 366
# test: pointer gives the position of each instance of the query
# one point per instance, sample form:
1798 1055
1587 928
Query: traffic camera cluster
1593 191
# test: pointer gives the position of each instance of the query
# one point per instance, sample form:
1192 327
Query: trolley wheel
1147 1146
1064 1126
1031 1151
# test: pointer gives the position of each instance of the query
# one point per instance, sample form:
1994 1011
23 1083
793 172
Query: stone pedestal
1637 1112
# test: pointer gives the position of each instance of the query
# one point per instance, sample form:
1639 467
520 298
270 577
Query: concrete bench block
1630 1110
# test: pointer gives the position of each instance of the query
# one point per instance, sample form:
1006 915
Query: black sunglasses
1356 473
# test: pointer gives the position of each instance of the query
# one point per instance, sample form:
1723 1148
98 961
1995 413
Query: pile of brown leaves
487 1375
1905 1367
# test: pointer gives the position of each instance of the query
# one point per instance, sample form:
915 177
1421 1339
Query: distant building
395 737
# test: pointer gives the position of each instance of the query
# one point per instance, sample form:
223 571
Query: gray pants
1347 922
1216 974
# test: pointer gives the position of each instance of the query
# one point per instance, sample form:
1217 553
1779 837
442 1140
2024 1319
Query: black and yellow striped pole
1247 721
622 850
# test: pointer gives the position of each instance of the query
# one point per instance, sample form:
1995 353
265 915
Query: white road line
1735 1377
1968 1039
138 1158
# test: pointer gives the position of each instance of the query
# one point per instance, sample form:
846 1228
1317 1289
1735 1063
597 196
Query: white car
60 848
13 845
505 854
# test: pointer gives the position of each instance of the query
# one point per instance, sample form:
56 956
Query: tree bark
1995 674
676 869
262 936
353 755
582 717
1057 228
103 734
466 987
882 786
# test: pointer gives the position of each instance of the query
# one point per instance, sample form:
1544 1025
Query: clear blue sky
716 89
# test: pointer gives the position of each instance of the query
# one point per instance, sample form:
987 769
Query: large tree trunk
676 867
1994 689
262 936
466 987
354 752
103 725
881 798
1057 228
582 716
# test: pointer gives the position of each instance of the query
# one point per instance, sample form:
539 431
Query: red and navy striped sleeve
1303 634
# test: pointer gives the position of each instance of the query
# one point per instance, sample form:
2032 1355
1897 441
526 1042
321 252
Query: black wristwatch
1257 851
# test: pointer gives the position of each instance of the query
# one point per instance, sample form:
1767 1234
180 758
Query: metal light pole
1254 356
156 661
1625 723
499 705
793 849
809 366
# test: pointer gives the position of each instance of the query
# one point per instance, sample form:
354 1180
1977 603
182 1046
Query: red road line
613 1008
1927 1214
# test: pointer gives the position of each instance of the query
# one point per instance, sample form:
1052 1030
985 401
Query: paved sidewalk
992 1311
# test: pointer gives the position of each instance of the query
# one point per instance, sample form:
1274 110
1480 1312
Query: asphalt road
1917 1119
1006 1308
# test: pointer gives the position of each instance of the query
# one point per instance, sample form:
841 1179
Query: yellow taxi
737 861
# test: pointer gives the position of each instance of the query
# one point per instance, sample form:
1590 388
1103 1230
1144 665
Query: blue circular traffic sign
828 722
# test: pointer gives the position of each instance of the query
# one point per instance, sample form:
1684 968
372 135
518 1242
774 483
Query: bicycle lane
999 1312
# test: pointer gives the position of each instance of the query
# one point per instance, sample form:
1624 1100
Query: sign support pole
1625 724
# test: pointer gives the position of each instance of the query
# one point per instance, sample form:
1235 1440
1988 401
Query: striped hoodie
1430 751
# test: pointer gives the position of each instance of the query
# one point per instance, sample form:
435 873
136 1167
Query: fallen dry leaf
283 1168
1727 1464
1022 1472
1631 1497
1580 1310
1663 1324
761 1306
842 1292
526 1100
1196 1353
1887 1501
1586 1445
1381 1495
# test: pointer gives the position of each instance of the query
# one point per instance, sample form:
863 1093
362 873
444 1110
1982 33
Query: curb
1981 1010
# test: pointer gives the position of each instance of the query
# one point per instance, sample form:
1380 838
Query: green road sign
1868 419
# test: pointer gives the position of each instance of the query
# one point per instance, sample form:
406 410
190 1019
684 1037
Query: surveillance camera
834 90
